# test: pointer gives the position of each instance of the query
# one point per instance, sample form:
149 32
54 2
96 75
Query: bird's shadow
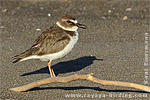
85 87
70 66
67 66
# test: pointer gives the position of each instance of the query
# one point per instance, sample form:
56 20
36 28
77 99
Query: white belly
62 53
59 54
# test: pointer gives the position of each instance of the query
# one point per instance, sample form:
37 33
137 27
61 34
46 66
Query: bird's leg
53 73
50 69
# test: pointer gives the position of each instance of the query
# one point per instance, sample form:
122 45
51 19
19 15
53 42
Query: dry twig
88 77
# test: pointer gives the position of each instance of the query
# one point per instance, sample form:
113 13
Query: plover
54 43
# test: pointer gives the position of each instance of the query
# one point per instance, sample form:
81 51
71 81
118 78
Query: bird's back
50 41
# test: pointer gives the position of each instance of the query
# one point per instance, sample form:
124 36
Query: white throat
74 28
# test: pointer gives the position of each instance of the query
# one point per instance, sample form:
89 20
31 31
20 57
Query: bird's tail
16 59
21 56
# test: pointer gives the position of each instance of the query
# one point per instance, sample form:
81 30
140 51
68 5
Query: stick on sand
88 77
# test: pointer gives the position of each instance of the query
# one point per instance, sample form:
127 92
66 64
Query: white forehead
74 28
74 21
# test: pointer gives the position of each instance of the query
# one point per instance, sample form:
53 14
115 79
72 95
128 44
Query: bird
53 43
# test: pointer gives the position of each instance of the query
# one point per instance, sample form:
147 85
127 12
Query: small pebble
128 9
107 44
109 11
18 7
113 8
104 17
41 8
4 10
84 8
38 29
49 14
11 49
1 26
125 18
91 55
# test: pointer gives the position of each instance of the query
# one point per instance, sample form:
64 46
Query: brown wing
51 41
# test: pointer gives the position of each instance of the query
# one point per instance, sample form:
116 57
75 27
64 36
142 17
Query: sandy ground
116 40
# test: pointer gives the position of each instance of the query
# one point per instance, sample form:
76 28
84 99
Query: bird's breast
65 51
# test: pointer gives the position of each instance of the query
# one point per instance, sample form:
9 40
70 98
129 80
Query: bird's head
69 23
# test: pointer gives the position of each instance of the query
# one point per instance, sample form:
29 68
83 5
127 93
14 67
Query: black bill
81 26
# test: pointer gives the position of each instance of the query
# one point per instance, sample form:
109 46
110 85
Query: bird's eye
68 21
